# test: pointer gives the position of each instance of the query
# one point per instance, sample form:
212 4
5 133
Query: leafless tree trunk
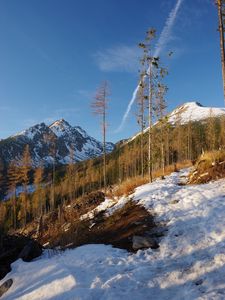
150 115
99 107
221 11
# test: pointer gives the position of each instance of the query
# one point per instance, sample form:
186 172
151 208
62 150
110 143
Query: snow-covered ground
190 263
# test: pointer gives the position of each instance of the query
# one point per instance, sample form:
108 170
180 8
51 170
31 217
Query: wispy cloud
119 58
164 38
166 34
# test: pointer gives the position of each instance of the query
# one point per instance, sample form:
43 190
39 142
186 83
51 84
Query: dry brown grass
127 187
210 158
171 168
209 166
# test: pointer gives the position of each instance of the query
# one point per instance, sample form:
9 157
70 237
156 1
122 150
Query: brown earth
117 229
64 229
13 247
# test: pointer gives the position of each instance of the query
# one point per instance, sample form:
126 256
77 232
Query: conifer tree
13 179
38 201
2 222
211 136
162 122
24 175
2 177
222 132
189 140
99 107
51 142
177 139
71 174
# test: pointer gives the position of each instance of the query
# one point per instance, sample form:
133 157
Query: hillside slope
190 263
193 111
189 112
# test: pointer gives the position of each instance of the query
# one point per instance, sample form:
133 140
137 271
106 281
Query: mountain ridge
41 138
191 111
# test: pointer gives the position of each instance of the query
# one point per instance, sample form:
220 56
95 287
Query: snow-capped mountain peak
32 131
59 127
193 111
39 139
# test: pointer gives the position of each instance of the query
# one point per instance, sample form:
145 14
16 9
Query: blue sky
55 53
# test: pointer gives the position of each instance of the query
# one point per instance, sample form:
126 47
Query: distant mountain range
41 138
66 137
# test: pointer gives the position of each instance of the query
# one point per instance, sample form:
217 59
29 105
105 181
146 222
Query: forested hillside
32 193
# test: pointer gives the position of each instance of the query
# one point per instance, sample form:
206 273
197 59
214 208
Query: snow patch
190 263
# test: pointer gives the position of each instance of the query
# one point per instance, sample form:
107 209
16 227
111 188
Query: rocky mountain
42 139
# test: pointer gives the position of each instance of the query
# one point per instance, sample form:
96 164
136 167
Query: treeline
156 147
33 193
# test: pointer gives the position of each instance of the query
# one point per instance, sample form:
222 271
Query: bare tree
141 99
99 107
221 15
149 64
71 173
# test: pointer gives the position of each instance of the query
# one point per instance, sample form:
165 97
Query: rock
4 269
30 251
91 199
143 242
94 198
14 247
5 286
175 201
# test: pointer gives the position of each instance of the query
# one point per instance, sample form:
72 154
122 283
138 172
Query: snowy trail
190 263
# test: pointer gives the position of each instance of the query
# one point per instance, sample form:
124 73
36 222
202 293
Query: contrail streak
125 116
167 30
163 40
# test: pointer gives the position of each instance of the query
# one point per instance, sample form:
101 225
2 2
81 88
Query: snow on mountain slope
190 112
40 139
193 111
60 127
190 263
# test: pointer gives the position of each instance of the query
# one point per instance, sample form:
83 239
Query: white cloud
119 58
